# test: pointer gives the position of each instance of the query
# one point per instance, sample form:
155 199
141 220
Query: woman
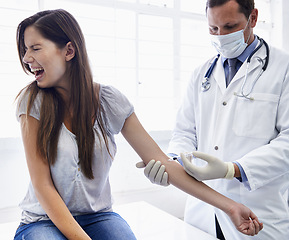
68 125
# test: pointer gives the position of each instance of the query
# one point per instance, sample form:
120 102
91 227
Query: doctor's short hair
246 6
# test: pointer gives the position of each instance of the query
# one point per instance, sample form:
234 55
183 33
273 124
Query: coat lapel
219 75
255 63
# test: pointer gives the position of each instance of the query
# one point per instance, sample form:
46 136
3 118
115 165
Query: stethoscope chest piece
206 84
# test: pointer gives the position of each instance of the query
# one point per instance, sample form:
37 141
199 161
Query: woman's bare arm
43 185
147 149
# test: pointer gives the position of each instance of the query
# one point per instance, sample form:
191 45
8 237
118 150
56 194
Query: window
159 3
141 47
196 6
11 74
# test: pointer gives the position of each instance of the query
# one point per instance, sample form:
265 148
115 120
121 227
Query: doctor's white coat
253 132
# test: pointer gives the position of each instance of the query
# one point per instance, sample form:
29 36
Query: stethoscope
206 84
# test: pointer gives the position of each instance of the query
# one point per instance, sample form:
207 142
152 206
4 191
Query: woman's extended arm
43 185
243 218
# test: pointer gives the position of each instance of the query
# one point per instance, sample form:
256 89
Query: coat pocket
256 118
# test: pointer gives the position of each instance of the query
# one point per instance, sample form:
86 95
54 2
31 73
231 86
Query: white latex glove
213 170
155 172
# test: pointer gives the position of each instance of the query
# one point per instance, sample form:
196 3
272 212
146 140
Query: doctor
243 122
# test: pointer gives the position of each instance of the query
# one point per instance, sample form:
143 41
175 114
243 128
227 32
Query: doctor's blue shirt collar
246 52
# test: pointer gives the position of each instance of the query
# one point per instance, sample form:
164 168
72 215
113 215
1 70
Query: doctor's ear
253 17
70 51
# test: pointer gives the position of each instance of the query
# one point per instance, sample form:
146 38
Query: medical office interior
145 48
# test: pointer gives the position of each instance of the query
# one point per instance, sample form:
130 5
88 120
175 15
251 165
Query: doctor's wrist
237 171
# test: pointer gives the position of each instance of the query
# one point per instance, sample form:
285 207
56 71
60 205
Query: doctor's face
227 18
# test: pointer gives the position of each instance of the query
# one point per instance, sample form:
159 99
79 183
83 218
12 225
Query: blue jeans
104 226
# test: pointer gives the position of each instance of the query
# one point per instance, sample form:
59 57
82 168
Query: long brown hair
60 27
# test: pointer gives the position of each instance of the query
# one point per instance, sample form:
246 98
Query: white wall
280 20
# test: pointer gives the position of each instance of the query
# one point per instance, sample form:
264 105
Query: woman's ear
70 51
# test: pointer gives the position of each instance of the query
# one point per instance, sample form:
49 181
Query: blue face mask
231 45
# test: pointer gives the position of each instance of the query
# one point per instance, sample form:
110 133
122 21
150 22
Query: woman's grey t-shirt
80 194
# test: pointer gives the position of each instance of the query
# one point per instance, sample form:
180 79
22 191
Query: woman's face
45 59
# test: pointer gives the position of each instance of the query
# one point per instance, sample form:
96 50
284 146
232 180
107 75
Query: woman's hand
244 219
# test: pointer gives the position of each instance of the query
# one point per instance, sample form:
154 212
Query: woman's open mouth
38 72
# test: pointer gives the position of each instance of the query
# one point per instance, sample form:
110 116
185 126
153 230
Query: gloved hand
213 170
155 172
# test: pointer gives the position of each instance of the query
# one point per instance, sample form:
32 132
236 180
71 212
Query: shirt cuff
243 177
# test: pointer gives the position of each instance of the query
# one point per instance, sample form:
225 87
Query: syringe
178 158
